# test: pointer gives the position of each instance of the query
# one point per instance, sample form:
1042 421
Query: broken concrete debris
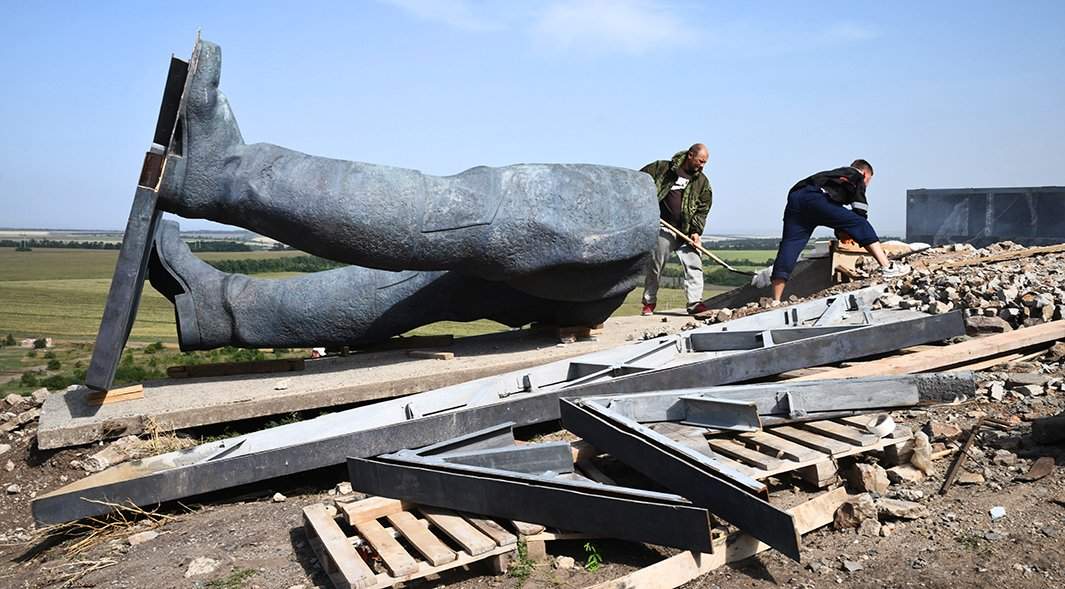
869 478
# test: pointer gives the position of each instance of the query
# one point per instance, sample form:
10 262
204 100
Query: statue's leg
517 223
345 306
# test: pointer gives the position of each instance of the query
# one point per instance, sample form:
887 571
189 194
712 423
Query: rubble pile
20 413
997 296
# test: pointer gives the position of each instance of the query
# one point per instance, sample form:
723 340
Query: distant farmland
60 293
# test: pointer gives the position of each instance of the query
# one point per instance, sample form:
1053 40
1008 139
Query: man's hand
845 238
696 238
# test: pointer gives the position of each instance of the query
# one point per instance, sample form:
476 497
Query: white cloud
460 14
611 26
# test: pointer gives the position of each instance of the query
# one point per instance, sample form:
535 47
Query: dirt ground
258 542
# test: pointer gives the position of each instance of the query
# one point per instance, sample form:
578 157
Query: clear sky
934 94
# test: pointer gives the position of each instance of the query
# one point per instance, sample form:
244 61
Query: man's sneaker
648 309
697 308
894 270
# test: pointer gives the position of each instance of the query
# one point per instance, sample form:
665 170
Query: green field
60 293
760 257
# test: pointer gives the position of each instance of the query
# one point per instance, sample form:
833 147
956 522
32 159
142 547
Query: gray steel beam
814 351
194 472
616 512
683 471
771 399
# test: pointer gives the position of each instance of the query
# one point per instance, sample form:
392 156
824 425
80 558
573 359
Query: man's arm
704 201
656 169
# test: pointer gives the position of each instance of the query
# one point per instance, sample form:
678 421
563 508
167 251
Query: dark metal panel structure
981 216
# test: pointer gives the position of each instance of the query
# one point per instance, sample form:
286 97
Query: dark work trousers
807 209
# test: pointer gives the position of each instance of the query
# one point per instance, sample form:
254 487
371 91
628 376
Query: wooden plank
458 529
425 569
231 368
686 566
369 509
415 531
811 440
738 466
820 474
783 447
339 560
492 529
745 454
527 529
115 395
392 554
962 353
841 432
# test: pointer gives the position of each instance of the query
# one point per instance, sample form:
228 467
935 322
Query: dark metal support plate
127 282
615 513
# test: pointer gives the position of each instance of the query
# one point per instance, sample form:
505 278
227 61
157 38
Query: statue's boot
345 306
525 224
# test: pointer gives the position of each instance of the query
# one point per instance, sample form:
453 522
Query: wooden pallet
810 450
395 542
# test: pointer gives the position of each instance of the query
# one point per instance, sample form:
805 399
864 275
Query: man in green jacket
684 199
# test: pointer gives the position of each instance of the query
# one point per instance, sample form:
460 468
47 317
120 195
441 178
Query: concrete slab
174 404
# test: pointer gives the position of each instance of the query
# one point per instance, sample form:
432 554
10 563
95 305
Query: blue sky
934 94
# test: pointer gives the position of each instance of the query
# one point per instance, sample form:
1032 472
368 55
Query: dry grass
91 531
80 569
161 440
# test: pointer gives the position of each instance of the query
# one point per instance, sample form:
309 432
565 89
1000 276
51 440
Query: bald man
684 199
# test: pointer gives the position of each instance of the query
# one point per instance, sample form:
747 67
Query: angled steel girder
814 351
697 477
526 397
781 399
127 282
616 512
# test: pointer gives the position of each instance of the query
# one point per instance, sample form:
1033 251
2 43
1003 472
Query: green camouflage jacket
697 198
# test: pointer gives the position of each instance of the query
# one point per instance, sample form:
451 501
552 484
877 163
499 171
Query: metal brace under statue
557 243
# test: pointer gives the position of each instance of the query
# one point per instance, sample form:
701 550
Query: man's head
696 158
865 167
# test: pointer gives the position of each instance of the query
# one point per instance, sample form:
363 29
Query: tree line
196 246
279 264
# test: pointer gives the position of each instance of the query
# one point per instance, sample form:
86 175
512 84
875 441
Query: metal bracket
793 405
724 414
